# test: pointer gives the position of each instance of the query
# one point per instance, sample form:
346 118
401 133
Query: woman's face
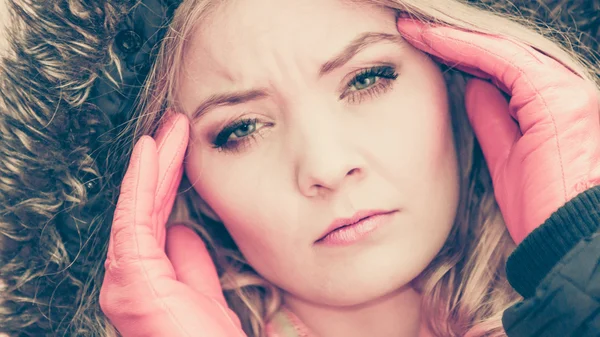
310 111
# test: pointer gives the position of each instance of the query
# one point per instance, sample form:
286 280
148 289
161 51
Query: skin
317 157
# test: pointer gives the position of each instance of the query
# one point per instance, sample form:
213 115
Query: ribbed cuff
541 250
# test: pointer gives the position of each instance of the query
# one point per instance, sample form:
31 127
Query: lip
351 229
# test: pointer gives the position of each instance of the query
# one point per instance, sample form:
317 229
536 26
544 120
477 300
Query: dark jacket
60 117
557 270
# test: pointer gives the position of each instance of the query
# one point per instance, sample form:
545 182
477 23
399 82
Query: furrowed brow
354 47
225 99
359 43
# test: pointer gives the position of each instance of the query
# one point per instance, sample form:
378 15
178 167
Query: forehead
241 32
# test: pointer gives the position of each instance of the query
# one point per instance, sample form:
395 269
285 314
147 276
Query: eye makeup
366 84
238 133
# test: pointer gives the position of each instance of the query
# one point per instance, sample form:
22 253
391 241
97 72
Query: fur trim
54 189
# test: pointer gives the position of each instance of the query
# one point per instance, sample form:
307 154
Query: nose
327 161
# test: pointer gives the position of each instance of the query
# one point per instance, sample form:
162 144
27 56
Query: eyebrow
359 43
354 47
225 99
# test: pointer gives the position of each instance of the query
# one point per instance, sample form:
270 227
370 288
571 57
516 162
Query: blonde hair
465 289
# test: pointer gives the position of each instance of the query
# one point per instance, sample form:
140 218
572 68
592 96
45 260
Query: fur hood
68 84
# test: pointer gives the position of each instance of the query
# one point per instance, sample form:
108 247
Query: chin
363 289
371 277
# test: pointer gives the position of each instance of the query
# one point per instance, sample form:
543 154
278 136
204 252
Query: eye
364 82
244 129
237 133
369 83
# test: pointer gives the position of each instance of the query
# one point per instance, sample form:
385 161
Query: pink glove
145 292
543 147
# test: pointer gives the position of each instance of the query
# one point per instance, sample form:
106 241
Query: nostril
354 171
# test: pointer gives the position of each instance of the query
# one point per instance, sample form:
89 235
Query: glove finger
163 216
529 77
192 262
135 206
174 138
165 128
496 131
498 57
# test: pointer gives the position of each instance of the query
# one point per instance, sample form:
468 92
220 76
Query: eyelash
222 141
384 78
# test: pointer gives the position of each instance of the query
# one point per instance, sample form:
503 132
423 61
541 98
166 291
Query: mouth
344 231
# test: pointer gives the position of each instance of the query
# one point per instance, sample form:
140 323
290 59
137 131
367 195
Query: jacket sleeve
557 271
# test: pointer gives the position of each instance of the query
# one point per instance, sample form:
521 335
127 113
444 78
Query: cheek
418 123
419 150
237 194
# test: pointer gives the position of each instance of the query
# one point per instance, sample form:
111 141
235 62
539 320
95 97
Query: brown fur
52 230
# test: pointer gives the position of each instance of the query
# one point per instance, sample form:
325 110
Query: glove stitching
537 93
170 166
146 276
226 313
172 161
174 123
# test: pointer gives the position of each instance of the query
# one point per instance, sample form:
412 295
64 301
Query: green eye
244 130
370 77
364 82
237 133
369 83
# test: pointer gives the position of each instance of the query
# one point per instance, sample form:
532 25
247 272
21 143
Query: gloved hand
147 292
543 146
